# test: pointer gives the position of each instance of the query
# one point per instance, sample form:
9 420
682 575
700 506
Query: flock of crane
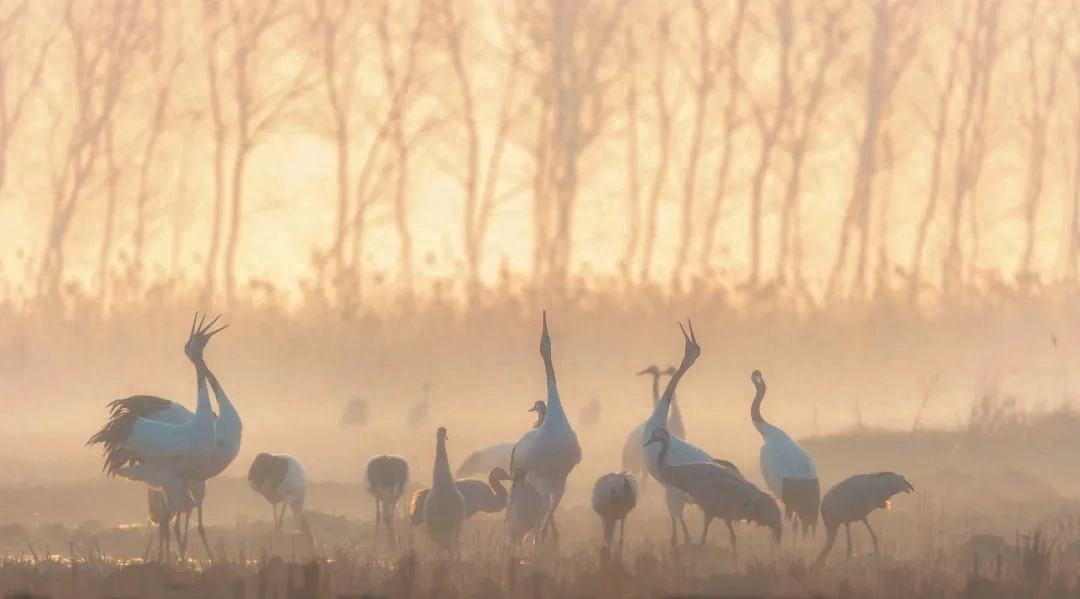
174 451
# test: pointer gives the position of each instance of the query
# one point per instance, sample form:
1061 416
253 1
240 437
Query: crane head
756 378
545 340
691 350
441 434
200 335
539 407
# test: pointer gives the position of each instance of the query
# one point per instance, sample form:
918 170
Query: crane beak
649 442
532 409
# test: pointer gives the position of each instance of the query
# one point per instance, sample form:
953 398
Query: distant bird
526 510
418 413
498 454
614 495
356 412
281 480
719 491
633 455
590 414
444 507
489 497
162 422
551 451
853 499
789 472
681 452
385 479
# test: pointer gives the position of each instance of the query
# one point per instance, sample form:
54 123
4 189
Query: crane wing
158 440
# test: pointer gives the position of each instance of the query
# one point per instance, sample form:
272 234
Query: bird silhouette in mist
418 413
356 412
590 414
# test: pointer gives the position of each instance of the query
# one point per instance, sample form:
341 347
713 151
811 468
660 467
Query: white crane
789 472
385 478
146 437
444 508
681 452
489 497
551 451
614 496
633 454
852 500
719 491
280 478
497 455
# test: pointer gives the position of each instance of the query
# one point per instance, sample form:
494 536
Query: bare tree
633 159
983 46
731 125
893 44
703 88
1037 121
163 61
17 41
770 127
1069 250
663 140
104 41
480 183
939 128
828 36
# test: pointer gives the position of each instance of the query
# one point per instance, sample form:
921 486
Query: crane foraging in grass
852 500
719 491
385 479
614 496
497 455
489 497
444 507
160 442
681 452
526 509
551 451
789 472
281 480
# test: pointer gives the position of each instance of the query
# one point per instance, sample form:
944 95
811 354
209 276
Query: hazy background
875 202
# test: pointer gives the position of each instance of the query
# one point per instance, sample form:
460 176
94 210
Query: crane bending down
165 504
146 438
385 479
489 497
526 510
444 507
614 496
681 452
497 455
789 472
551 451
852 500
633 455
719 491
280 478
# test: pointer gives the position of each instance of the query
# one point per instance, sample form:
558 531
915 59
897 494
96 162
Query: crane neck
675 420
495 482
441 474
204 413
541 414
661 459
655 388
755 407
554 404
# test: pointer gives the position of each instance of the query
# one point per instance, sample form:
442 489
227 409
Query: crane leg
873 537
165 539
705 531
734 543
622 534
390 526
179 539
378 517
202 535
187 529
847 533
149 544
674 534
685 531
